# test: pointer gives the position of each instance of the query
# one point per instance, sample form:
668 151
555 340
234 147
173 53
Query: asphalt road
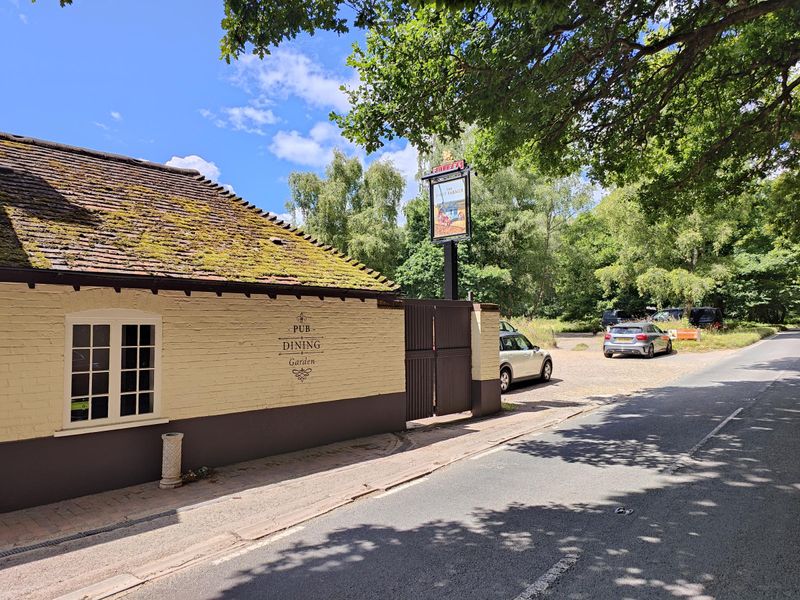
705 516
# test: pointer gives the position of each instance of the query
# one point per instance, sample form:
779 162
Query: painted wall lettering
301 346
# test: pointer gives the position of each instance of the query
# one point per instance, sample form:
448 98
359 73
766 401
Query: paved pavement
123 537
687 491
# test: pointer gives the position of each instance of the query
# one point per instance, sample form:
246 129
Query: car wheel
547 370
505 380
651 352
669 347
608 354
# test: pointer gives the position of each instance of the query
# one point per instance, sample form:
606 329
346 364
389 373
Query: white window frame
116 318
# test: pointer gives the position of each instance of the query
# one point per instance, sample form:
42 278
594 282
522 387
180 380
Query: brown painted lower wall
485 397
43 470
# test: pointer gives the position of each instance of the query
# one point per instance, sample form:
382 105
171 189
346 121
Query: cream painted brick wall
485 344
219 355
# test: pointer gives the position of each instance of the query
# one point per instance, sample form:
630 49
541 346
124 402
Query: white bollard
171 461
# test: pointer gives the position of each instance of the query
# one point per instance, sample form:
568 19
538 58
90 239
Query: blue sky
143 78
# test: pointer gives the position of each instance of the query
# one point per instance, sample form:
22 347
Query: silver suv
644 339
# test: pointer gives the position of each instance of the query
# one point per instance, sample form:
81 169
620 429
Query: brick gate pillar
485 359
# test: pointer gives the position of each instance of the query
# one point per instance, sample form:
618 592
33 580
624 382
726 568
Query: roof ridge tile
12 137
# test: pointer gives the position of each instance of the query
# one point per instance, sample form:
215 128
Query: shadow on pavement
520 387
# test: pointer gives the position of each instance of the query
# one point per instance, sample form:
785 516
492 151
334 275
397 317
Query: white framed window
112 371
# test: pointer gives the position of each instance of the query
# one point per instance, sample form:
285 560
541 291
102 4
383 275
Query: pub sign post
451 222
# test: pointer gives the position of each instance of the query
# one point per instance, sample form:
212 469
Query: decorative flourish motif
301 318
301 374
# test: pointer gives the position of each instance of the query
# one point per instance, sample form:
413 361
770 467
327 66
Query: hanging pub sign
449 202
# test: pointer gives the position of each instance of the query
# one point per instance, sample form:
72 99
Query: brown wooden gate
438 357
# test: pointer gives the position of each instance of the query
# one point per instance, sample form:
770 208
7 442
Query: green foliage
421 275
353 210
518 217
691 100
541 332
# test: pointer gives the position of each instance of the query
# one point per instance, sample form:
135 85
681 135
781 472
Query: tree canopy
353 209
690 100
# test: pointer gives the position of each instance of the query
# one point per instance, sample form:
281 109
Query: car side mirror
536 348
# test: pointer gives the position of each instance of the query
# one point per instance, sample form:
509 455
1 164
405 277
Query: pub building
138 299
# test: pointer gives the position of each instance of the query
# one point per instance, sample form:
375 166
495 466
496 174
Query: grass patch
734 337
538 331
592 326
579 347
542 332
509 406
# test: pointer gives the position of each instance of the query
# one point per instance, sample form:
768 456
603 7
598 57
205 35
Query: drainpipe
171 461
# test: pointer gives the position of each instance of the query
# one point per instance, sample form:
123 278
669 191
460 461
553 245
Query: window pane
128 381
127 405
129 358
80 384
145 380
100 407
79 409
80 336
99 383
100 359
100 335
146 335
129 337
146 403
80 360
146 358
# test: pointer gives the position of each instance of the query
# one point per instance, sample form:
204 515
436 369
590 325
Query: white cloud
313 150
249 119
24 18
286 73
211 116
405 161
102 126
205 167
198 163
292 146
115 115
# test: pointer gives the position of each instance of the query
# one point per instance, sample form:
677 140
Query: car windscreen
704 313
626 330
515 342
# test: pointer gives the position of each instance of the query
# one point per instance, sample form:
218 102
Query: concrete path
121 538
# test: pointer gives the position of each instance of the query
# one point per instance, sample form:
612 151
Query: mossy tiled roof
73 209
